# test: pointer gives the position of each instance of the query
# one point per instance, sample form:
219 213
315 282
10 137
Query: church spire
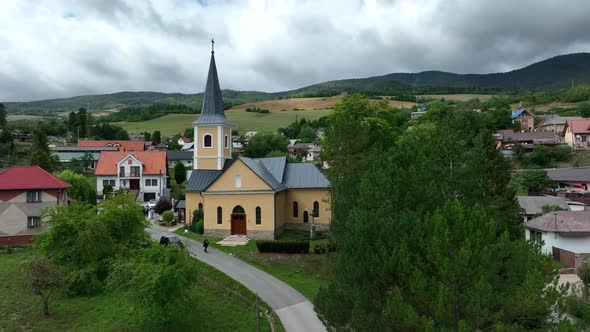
212 109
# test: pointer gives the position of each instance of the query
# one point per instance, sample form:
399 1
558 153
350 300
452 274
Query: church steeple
212 109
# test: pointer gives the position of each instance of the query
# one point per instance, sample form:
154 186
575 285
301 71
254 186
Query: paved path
294 310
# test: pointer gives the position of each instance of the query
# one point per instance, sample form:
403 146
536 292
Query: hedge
289 247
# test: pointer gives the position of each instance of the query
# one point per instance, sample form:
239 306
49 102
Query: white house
183 140
143 172
563 234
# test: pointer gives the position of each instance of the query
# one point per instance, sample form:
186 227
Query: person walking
206 244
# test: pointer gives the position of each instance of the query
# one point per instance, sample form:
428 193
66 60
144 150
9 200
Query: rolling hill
551 74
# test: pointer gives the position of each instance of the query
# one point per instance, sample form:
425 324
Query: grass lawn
172 124
579 159
306 273
216 306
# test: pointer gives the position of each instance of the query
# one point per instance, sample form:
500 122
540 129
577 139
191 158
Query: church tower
212 139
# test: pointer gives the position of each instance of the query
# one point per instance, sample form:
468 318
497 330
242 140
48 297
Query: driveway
294 310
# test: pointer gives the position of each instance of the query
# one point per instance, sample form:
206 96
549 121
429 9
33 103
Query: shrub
319 249
168 216
332 247
163 204
197 227
289 247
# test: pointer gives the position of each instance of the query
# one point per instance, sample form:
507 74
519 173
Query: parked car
171 239
152 204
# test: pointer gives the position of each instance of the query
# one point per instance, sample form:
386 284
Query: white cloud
61 48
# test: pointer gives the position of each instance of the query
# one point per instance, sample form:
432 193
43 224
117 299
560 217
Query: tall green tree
156 137
41 155
262 144
3 120
179 172
81 189
83 124
411 219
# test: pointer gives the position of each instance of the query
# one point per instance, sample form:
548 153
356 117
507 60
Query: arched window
316 209
238 209
201 206
219 213
258 215
295 210
207 141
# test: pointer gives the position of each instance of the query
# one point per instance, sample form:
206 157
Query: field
277 105
460 97
243 121
215 308
17 117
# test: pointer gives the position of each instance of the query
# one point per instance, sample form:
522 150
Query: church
259 198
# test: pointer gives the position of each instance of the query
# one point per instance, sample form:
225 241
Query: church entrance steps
234 240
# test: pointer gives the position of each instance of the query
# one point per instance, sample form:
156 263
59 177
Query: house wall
192 200
266 201
14 210
577 144
551 239
249 179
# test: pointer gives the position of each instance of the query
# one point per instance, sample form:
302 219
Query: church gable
238 177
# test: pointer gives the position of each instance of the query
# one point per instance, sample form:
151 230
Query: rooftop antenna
212 45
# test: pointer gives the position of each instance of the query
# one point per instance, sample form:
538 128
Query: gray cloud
60 48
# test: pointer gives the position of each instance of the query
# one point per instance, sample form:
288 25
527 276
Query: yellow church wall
192 203
227 151
249 202
305 199
249 179
280 205
204 163
207 152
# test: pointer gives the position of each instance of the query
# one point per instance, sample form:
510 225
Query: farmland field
243 121
17 117
460 97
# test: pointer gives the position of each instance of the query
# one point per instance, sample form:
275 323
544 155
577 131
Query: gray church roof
212 110
275 172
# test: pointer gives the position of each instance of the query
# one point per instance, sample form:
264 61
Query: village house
122 145
576 134
259 198
525 118
65 154
554 123
532 206
173 157
183 140
24 192
188 146
564 234
506 140
575 179
142 173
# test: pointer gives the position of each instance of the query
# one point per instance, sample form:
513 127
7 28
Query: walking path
294 310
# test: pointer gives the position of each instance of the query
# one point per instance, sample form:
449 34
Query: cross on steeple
212 45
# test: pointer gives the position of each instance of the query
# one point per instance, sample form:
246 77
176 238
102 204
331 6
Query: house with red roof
141 172
183 140
24 192
576 134
128 145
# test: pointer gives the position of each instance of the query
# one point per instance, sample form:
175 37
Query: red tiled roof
135 145
154 162
30 177
581 126
186 140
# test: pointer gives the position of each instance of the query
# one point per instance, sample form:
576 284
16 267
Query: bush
163 204
197 227
332 247
319 249
289 247
168 216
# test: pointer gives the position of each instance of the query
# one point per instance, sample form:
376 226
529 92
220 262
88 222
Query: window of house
258 215
226 141
33 222
219 214
316 209
135 171
535 236
207 141
33 196
295 210
121 170
108 183
151 182
583 138
238 181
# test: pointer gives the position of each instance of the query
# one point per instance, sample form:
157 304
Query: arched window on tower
207 141
295 210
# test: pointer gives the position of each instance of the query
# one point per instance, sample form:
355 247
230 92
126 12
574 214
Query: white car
152 204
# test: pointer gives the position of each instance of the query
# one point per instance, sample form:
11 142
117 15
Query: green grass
243 121
304 272
216 306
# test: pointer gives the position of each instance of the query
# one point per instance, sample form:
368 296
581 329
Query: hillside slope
551 74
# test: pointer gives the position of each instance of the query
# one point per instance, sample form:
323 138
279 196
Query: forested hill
551 74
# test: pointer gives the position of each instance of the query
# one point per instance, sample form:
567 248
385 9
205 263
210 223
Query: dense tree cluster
304 129
427 227
263 145
81 189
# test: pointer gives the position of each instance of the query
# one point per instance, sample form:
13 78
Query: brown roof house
24 192
576 134
574 179
507 139
564 234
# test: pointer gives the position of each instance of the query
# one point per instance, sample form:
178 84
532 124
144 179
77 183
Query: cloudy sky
61 48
